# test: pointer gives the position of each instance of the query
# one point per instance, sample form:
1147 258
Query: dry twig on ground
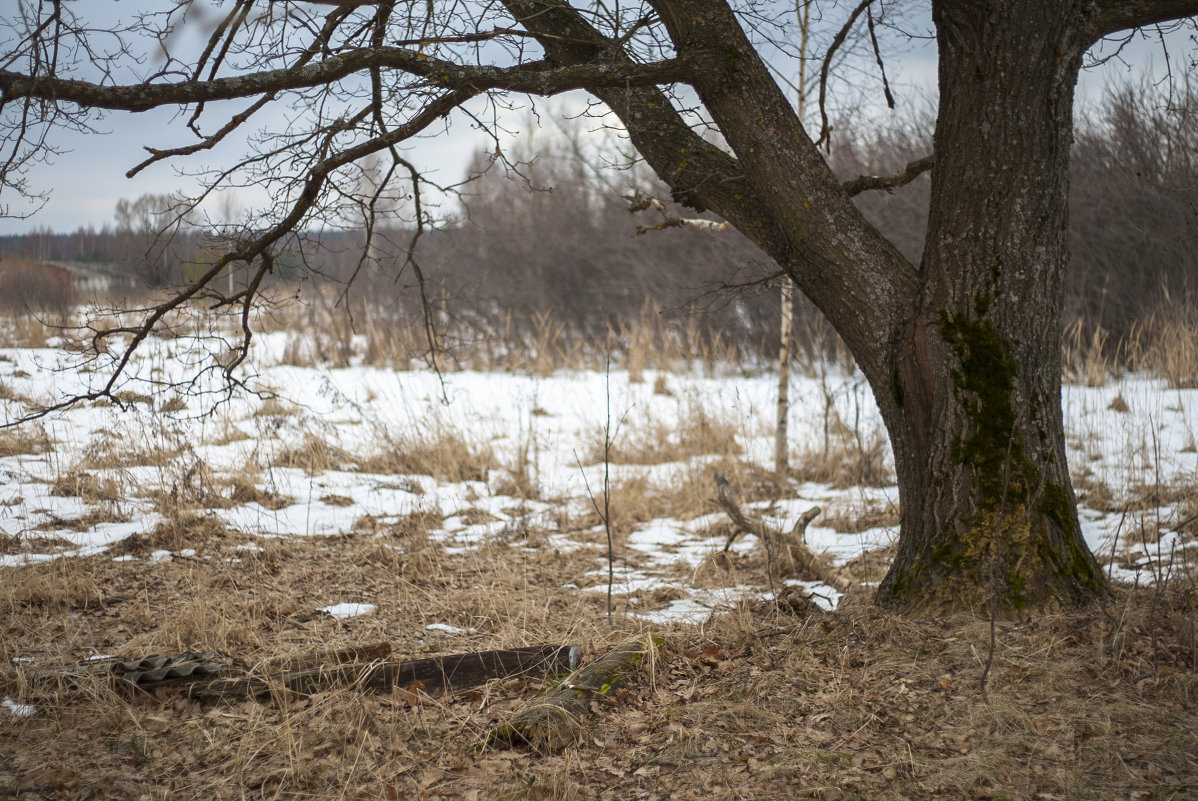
797 557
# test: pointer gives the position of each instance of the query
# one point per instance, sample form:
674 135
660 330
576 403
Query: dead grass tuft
415 526
84 485
699 432
26 331
276 407
863 517
1086 356
105 513
850 459
1172 352
24 441
446 455
245 491
174 534
314 456
57 585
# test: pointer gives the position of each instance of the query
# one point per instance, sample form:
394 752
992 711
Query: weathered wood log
553 721
794 555
431 674
355 653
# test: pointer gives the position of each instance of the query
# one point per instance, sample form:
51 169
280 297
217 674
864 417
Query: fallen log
794 555
553 721
431 674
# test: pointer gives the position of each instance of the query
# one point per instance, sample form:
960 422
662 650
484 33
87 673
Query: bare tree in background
786 301
961 350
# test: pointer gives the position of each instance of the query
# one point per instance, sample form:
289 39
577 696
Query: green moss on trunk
1023 539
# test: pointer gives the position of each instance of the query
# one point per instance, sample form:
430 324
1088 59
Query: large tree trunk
988 513
962 352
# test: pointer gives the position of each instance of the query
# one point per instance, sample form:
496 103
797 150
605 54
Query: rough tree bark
974 406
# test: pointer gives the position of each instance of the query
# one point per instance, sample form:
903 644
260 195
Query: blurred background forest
548 248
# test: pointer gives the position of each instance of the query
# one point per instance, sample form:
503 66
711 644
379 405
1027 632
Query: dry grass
861 517
443 453
27 440
1173 352
699 432
84 485
314 456
1165 344
197 532
756 704
851 459
860 703
1086 356
335 334
26 330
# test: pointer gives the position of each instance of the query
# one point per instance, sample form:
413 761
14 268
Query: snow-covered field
302 458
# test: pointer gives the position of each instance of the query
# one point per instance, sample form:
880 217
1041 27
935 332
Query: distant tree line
554 237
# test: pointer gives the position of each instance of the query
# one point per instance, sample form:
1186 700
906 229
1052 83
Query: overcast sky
86 182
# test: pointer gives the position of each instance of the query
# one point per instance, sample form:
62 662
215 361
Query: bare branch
537 77
799 556
913 170
1119 15
671 220
837 41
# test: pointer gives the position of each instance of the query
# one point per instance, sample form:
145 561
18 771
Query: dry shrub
314 456
1085 354
849 460
444 454
855 519
699 432
81 484
23 441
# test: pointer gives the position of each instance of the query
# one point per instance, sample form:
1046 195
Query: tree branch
1119 15
671 220
797 554
700 175
866 183
537 77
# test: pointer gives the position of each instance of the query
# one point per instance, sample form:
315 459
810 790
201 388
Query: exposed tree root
553 721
